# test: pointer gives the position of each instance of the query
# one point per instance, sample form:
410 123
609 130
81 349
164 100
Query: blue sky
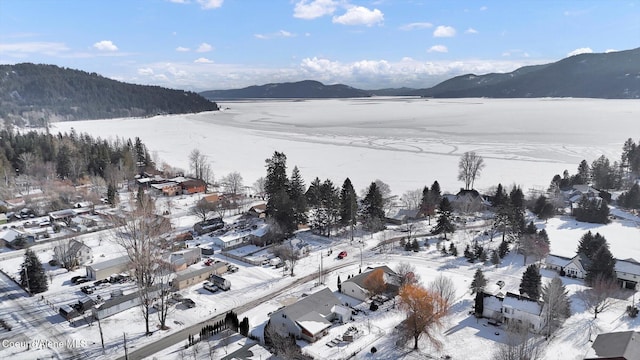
222 44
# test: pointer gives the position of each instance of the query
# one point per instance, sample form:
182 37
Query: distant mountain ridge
301 89
613 75
36 94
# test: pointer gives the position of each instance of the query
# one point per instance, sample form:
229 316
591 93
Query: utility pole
126 353
101 337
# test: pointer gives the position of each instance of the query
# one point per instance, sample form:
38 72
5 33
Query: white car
210 286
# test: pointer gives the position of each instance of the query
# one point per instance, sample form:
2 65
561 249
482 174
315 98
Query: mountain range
612 75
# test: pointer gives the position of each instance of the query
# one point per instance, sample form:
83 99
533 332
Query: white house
75 251
102 270
521 309
355 287
119 304
628 273
310 317
182 259
575 267
492 306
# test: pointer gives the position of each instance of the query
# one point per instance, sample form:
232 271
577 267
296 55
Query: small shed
193 276
103 270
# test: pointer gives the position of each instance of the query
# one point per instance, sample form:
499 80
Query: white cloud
145 71
204 47
579 51
438 48
311 9
483 8
179 1
210 4
278 34
444 31
359 15
471 31
416 26
47 48
182 49
105 45
203 60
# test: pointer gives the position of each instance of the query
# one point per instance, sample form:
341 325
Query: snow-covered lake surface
406 142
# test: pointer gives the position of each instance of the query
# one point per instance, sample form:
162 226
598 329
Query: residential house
193 276
168 188
64 216
300 247
310 317
73 252
624 345
118 304
193 186
232 239
258 211
102 270
575 267
468 201
523 310
355 287
492 306
8 236
628 273
182 259
580 192
209 225
401 216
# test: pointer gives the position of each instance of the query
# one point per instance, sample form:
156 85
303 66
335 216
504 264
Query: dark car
87 289
80 280
188 303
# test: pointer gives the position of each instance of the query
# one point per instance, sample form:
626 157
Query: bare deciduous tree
138 233
202 209
412 199
375 282
601 296
199 164
424 310
533 245
259 187
232 184
469 168
407 274
287 253
556 304
65 256
520 344
446 289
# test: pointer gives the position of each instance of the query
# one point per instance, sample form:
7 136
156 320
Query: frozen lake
406 142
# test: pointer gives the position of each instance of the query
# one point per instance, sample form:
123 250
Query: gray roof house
623 345
76 250
355 287
119 304
310 317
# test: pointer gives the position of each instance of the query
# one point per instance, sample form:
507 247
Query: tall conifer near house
279 204
372 208
478 283
32 275
297 193
348 204
531 282
444 224
602 265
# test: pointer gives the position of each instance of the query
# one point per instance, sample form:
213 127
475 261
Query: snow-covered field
406 142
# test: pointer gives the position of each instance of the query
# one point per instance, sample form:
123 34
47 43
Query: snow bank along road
182 335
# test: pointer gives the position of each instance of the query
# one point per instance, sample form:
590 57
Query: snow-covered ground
406 142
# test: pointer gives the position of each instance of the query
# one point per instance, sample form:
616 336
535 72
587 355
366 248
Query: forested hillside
36 94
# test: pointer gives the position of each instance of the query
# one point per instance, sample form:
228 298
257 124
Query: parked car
177 296
100 282
232 268
342 255
188 303
500 283
210 286
280 264
81 280
87 289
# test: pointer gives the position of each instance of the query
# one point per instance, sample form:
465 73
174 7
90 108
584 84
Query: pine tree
444 224
478 283
500 197
339 284
590 244
602 264
111 194
32 275
531 282
436 195
372 207
414 245
279 204
297 190
348 204
495 258
453 250
479 303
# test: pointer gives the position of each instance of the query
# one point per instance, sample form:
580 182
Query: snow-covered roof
163 185
557 260
618 345
313 322
321 302
359 279
110 263
627 266
522 303
492 302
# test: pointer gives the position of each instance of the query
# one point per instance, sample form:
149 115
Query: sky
224 44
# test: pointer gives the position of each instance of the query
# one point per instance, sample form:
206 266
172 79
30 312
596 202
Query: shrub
632 311
374 350
373 307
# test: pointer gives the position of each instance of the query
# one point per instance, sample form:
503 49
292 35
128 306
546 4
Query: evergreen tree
348 204
453 250
592 211
313 193
297 194
32 275
111 194
602 264
372 208
631 198
495 258
339 284
436 195
584 173
478 283
427 204
500 197
415 246
531 282
63 165
503 249
531 229
589 244
516 199
470 255
444 224
279 205
479 303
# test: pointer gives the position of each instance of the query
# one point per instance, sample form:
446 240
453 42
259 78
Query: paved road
182 335
29 319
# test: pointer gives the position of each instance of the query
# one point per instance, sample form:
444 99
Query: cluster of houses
170 187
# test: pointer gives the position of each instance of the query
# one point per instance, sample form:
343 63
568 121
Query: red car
342 255
209 262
